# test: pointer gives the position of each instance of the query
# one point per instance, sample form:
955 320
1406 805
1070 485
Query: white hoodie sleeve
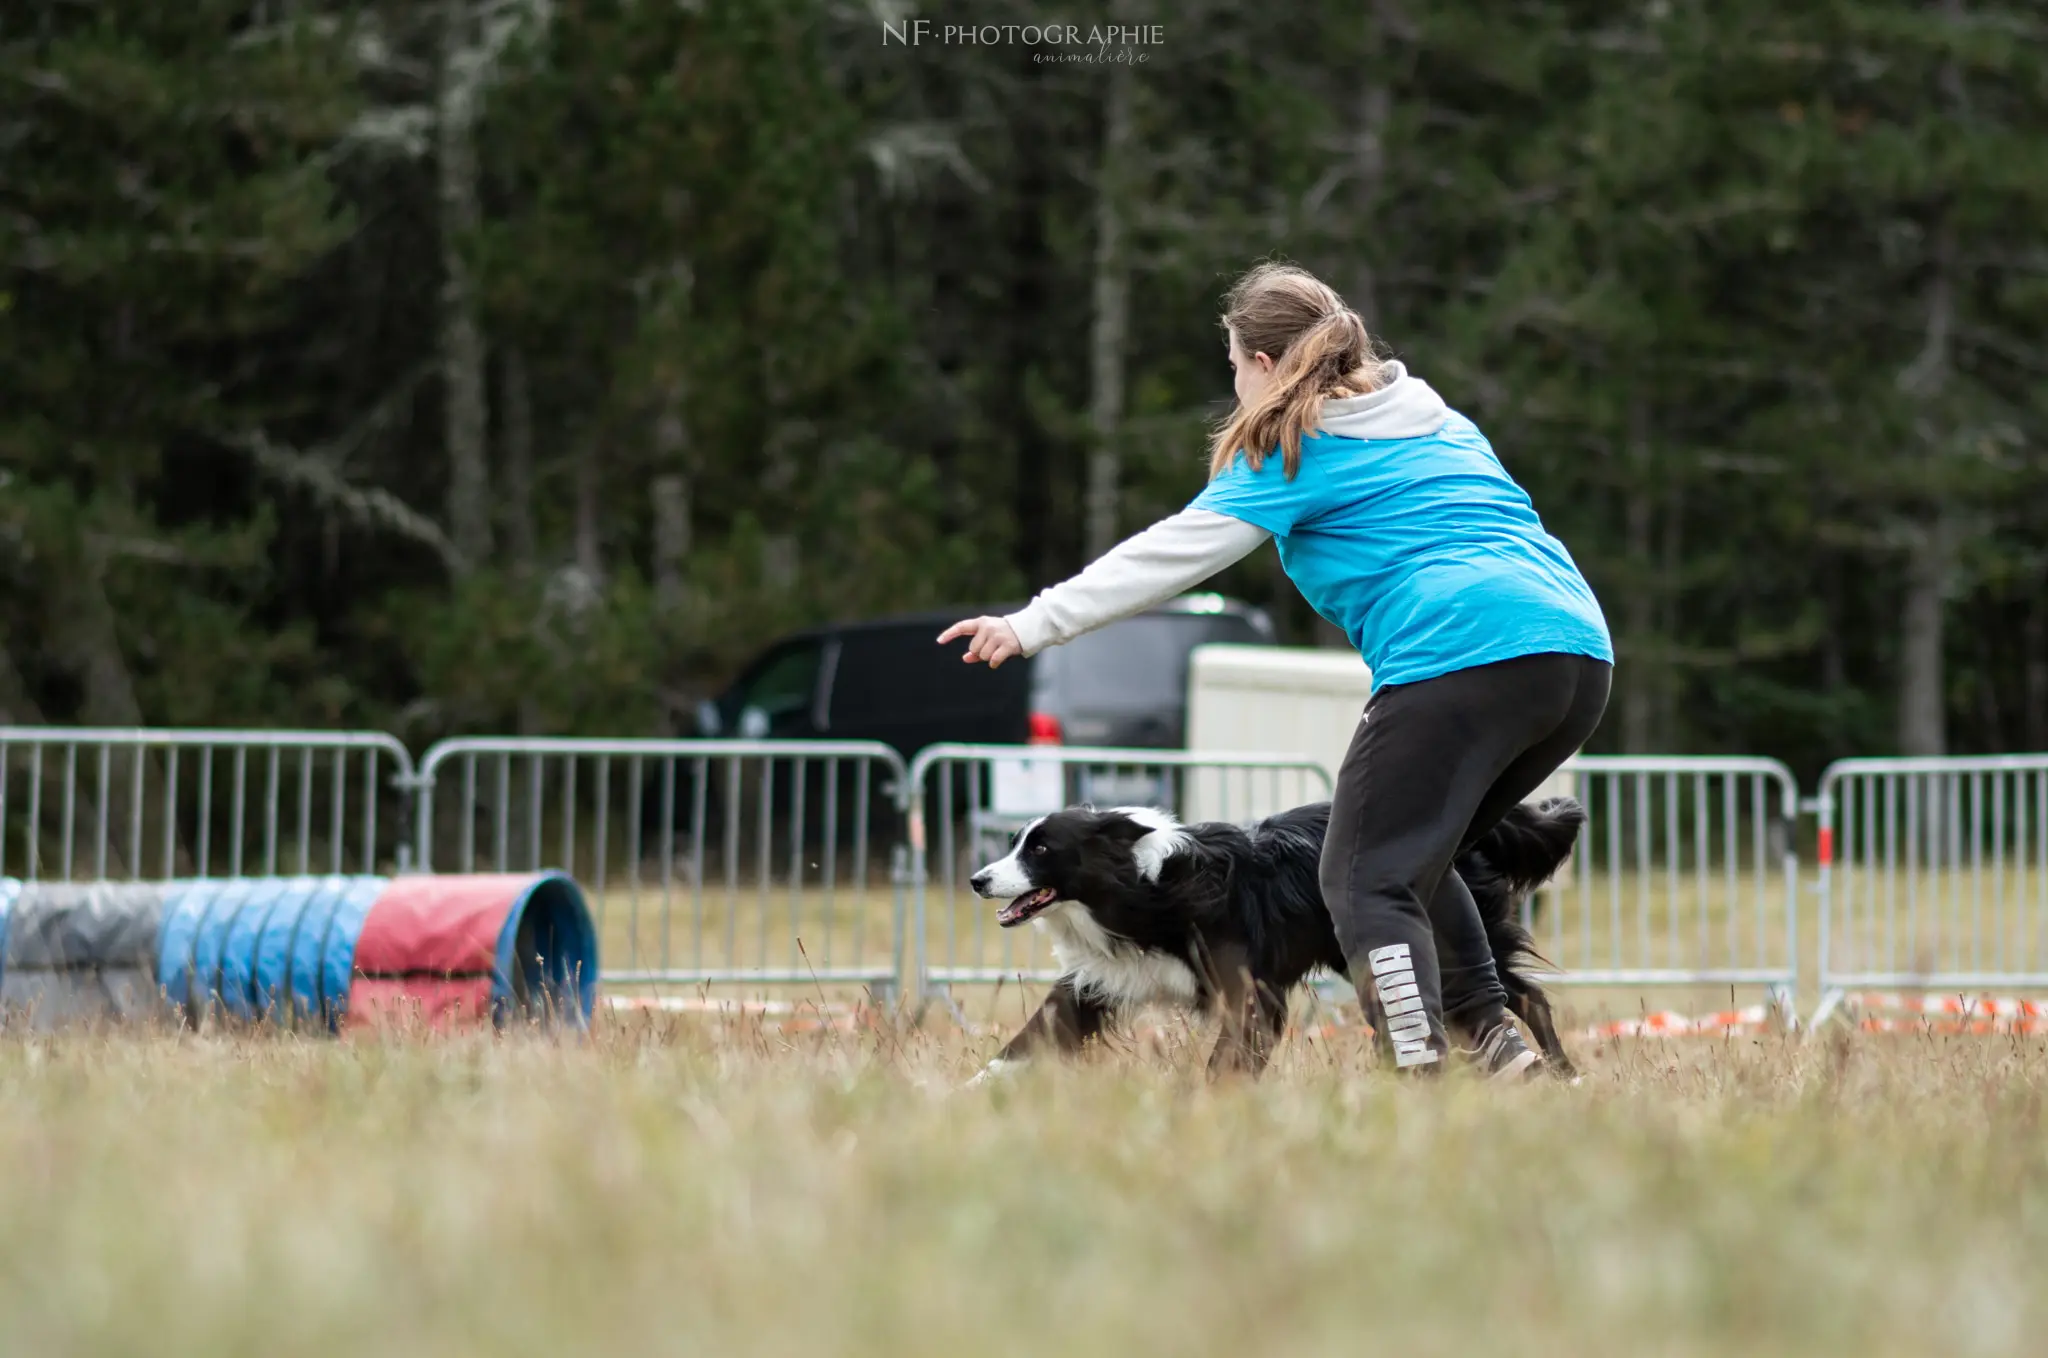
1153 566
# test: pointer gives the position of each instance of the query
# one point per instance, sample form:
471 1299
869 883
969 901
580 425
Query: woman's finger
976 632
989 640
998 642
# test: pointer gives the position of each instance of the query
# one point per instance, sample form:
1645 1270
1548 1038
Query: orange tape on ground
1957 1027
1667 1023
1951 1006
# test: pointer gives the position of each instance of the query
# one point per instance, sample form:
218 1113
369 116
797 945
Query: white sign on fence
1026 787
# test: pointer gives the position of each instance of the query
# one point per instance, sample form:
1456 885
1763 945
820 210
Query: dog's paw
993 1071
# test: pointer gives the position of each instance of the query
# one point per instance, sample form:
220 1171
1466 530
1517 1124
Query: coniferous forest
523 365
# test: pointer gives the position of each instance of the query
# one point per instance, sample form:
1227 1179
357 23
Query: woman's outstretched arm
1167 558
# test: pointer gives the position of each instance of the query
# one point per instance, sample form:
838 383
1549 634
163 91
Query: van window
1140 663
897 673
786 683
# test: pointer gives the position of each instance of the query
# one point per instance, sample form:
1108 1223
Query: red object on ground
428 948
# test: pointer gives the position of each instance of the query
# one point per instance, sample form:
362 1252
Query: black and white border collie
1226 920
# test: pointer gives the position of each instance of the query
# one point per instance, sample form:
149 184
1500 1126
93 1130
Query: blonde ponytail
1323 350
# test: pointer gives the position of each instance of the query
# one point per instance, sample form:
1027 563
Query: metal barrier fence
1933 875
796 863
706 861
1686 873
82 803
967 801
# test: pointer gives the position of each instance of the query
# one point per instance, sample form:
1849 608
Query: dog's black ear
1121 829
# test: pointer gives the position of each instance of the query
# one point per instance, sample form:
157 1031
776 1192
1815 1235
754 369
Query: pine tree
166 187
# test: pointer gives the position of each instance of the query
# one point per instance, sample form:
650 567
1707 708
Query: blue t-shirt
1424 550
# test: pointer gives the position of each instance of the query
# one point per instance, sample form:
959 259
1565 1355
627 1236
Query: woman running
1490 657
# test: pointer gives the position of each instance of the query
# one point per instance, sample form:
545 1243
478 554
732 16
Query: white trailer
1285 700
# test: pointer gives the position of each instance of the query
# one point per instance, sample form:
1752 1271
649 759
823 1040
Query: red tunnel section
427 951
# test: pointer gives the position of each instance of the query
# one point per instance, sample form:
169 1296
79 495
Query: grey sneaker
1502 1055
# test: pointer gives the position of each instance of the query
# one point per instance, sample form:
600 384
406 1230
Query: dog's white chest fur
1115 971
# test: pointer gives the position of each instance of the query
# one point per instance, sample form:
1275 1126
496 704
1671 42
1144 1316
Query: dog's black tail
1531 843
1515 858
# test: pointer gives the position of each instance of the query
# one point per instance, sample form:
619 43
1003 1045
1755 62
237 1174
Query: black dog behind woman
1228 920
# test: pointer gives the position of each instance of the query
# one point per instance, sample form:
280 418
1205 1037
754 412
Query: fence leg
1785 1007
418 790
1830 1001
914 863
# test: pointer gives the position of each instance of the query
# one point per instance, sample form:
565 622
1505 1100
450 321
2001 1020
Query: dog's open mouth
1025 906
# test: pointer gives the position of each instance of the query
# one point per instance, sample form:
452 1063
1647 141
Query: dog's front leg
1252 1018
1534 1011
1067 1019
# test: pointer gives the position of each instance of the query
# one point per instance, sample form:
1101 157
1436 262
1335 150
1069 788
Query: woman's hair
1319 348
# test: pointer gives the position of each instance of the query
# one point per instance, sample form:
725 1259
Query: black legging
1434 766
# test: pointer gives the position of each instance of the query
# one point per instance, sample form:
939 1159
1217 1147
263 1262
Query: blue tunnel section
547 948
277 948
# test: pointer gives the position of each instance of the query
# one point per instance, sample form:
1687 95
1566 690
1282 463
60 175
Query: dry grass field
717 1187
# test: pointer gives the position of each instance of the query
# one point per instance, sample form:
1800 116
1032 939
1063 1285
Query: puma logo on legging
1393 974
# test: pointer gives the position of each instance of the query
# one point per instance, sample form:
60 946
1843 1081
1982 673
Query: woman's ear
1264 360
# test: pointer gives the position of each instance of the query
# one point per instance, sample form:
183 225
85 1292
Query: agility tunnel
308 953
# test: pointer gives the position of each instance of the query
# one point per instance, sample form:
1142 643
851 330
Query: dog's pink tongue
1017 909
